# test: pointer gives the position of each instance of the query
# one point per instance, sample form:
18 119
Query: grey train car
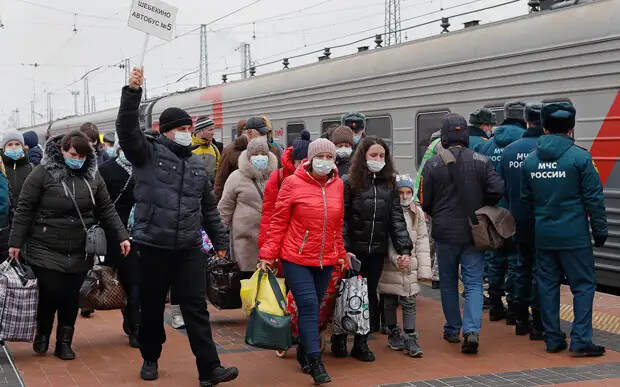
405 90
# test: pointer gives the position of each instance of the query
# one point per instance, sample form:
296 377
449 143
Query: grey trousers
390 303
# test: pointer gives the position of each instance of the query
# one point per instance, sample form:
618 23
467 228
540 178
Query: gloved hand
599 240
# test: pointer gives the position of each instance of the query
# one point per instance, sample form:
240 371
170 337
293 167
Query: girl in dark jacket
118 177
305 231
372 216
48 232
15 162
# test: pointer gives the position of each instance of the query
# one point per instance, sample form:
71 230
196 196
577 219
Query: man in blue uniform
561 190
481 124
523 289
501 262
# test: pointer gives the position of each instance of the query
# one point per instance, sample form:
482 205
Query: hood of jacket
246 167
507 134
240 143
287 161
552 146
534 131
31 139
477 131
201 142
54 162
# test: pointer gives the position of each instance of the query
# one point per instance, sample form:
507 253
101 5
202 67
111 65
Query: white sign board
153 17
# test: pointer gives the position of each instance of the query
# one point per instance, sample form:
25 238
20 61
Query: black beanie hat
454 131
558 117
300 146
173 118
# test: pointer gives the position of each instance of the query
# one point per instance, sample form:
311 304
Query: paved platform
105 359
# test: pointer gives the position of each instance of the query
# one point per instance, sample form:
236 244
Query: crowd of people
305 211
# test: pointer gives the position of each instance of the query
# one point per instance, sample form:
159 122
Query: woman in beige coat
399 280
242 202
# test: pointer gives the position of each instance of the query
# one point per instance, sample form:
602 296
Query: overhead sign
153 17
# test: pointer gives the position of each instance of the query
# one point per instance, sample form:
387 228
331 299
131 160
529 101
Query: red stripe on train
605 150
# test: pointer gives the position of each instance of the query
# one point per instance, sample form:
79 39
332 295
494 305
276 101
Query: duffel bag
19 296
223 283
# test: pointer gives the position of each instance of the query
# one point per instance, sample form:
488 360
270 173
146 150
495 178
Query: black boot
318 371
41 342
497 310
511 314
302 359
339 345
360 349
522 326
536 330
64 337
134 342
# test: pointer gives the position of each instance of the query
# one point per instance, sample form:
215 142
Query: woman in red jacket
306 233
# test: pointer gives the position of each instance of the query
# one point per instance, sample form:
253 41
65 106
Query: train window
427 123
292 131
380 127
552 100
325 124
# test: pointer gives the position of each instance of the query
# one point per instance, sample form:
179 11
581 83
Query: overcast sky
41 31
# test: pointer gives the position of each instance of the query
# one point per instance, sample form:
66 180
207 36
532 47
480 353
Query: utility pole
127 70
32 116
16 111
86 97
50 113
204 57
392 22
246 59
75 94
92 105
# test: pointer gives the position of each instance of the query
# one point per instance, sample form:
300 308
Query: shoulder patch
480 157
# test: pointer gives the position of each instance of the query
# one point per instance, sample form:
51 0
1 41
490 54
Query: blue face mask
73 163
356 139
14 153
259 162
111 152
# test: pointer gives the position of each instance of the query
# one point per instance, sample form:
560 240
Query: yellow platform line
601 321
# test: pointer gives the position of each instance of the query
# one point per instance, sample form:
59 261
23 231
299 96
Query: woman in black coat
118 176
50 236
372 216
16 163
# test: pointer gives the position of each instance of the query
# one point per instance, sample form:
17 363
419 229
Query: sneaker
589 350
557 348
452 338
220 375
411 346
470 343
177 317
396 341
149 370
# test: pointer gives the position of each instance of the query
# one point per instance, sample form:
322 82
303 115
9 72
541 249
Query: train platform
105 359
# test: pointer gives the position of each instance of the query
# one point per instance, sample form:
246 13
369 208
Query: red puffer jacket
306 226
271 193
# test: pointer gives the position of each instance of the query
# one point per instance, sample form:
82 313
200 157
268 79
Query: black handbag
223 283
266 330
96 242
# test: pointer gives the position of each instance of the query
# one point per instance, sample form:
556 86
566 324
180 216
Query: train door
427 123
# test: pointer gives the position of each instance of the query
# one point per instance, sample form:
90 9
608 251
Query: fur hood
54 162
246 167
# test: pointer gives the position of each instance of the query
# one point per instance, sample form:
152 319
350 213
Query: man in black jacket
174 199
477 183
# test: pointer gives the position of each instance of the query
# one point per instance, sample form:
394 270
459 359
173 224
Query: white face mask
183 138
322 167
406 202
375 166
344 153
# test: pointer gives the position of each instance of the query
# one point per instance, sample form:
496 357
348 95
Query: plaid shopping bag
19 296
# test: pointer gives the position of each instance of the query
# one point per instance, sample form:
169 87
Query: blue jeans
471 262
578 266
308 284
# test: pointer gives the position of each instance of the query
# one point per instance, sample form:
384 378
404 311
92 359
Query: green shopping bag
265 330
